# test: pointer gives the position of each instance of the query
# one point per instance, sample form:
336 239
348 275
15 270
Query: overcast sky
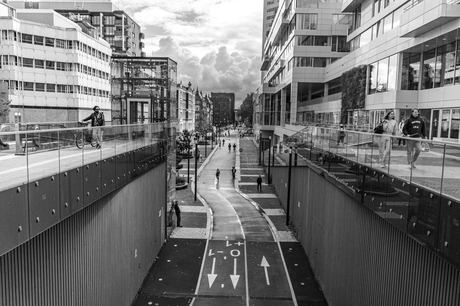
216 43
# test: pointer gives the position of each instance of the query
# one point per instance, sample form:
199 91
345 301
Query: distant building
203 112
185 108
56 70
112 24
224 106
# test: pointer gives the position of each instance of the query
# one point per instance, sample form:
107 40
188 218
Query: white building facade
408 48
55 72
186 108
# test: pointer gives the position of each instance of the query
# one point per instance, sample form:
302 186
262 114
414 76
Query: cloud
217 43
216 71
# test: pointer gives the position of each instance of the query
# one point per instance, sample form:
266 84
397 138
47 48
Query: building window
29 86
26 38
410 73
49 42
61 88
50 87
38 40
60 66
60 43
39 86
307 21
109 20
28 62
39 63
50 65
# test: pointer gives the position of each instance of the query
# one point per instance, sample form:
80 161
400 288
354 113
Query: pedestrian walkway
234 247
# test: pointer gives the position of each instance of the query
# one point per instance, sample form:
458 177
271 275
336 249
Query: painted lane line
234 277
212 276
246 273
265 264
287 275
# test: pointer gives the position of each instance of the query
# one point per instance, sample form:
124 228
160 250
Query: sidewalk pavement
196 215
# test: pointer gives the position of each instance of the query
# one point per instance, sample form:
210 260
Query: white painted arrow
265 264
212 276
234 277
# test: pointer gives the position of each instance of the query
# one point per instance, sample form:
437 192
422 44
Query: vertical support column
293 110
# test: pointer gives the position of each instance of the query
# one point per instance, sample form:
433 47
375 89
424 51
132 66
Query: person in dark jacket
97 120
177 210
414 127
259 183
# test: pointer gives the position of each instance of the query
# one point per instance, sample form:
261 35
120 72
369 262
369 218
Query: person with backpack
414 128
389 128
97 120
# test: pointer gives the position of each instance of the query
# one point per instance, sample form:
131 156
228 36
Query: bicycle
84 137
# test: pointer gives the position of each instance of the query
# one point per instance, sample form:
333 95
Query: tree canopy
246 109
4 108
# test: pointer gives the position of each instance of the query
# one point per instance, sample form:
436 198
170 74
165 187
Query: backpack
379 128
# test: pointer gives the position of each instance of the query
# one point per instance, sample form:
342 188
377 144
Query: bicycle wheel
93 142
79 140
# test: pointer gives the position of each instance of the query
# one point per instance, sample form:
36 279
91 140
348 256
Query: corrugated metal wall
359 258
98 256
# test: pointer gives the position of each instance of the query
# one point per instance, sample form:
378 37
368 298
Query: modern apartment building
406 50
114 25
186 107
270 9
55 69
224 108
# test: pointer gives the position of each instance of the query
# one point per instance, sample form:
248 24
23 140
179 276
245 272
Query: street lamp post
273 157
260 147
188 161
205 143
196 167
269 149
295 157
289 187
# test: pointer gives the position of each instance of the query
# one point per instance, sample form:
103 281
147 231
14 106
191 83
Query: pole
188 163
273 157
269 180
260 147
295 157
212 138
289 187
196 167
205 144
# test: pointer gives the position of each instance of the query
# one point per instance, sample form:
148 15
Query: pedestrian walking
233 172
177 210
217 174
229 147
234 147
220 143
340 135
259 183
401 125
97 120
385 143
414 128
223 142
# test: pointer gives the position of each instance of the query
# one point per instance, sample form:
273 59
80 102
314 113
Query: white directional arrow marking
234 277
212 276
265 264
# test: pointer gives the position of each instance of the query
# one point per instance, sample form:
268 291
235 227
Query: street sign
241 149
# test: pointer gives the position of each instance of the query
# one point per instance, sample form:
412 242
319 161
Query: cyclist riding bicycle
97 120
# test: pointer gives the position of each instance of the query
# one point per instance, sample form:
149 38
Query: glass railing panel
375 189
108 142
70 155
122 139
450 181
42 154
427 166
91 151
13 160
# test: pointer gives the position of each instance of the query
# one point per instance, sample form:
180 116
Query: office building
114 25
224 106
270 9
397 55
56 69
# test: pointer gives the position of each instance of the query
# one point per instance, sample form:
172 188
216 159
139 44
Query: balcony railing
422 201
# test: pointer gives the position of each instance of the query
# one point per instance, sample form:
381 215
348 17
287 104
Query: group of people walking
412 127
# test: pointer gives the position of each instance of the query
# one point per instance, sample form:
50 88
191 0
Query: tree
4 108
353 90
184 142
245 112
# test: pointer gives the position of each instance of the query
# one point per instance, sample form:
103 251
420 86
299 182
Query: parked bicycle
84 137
